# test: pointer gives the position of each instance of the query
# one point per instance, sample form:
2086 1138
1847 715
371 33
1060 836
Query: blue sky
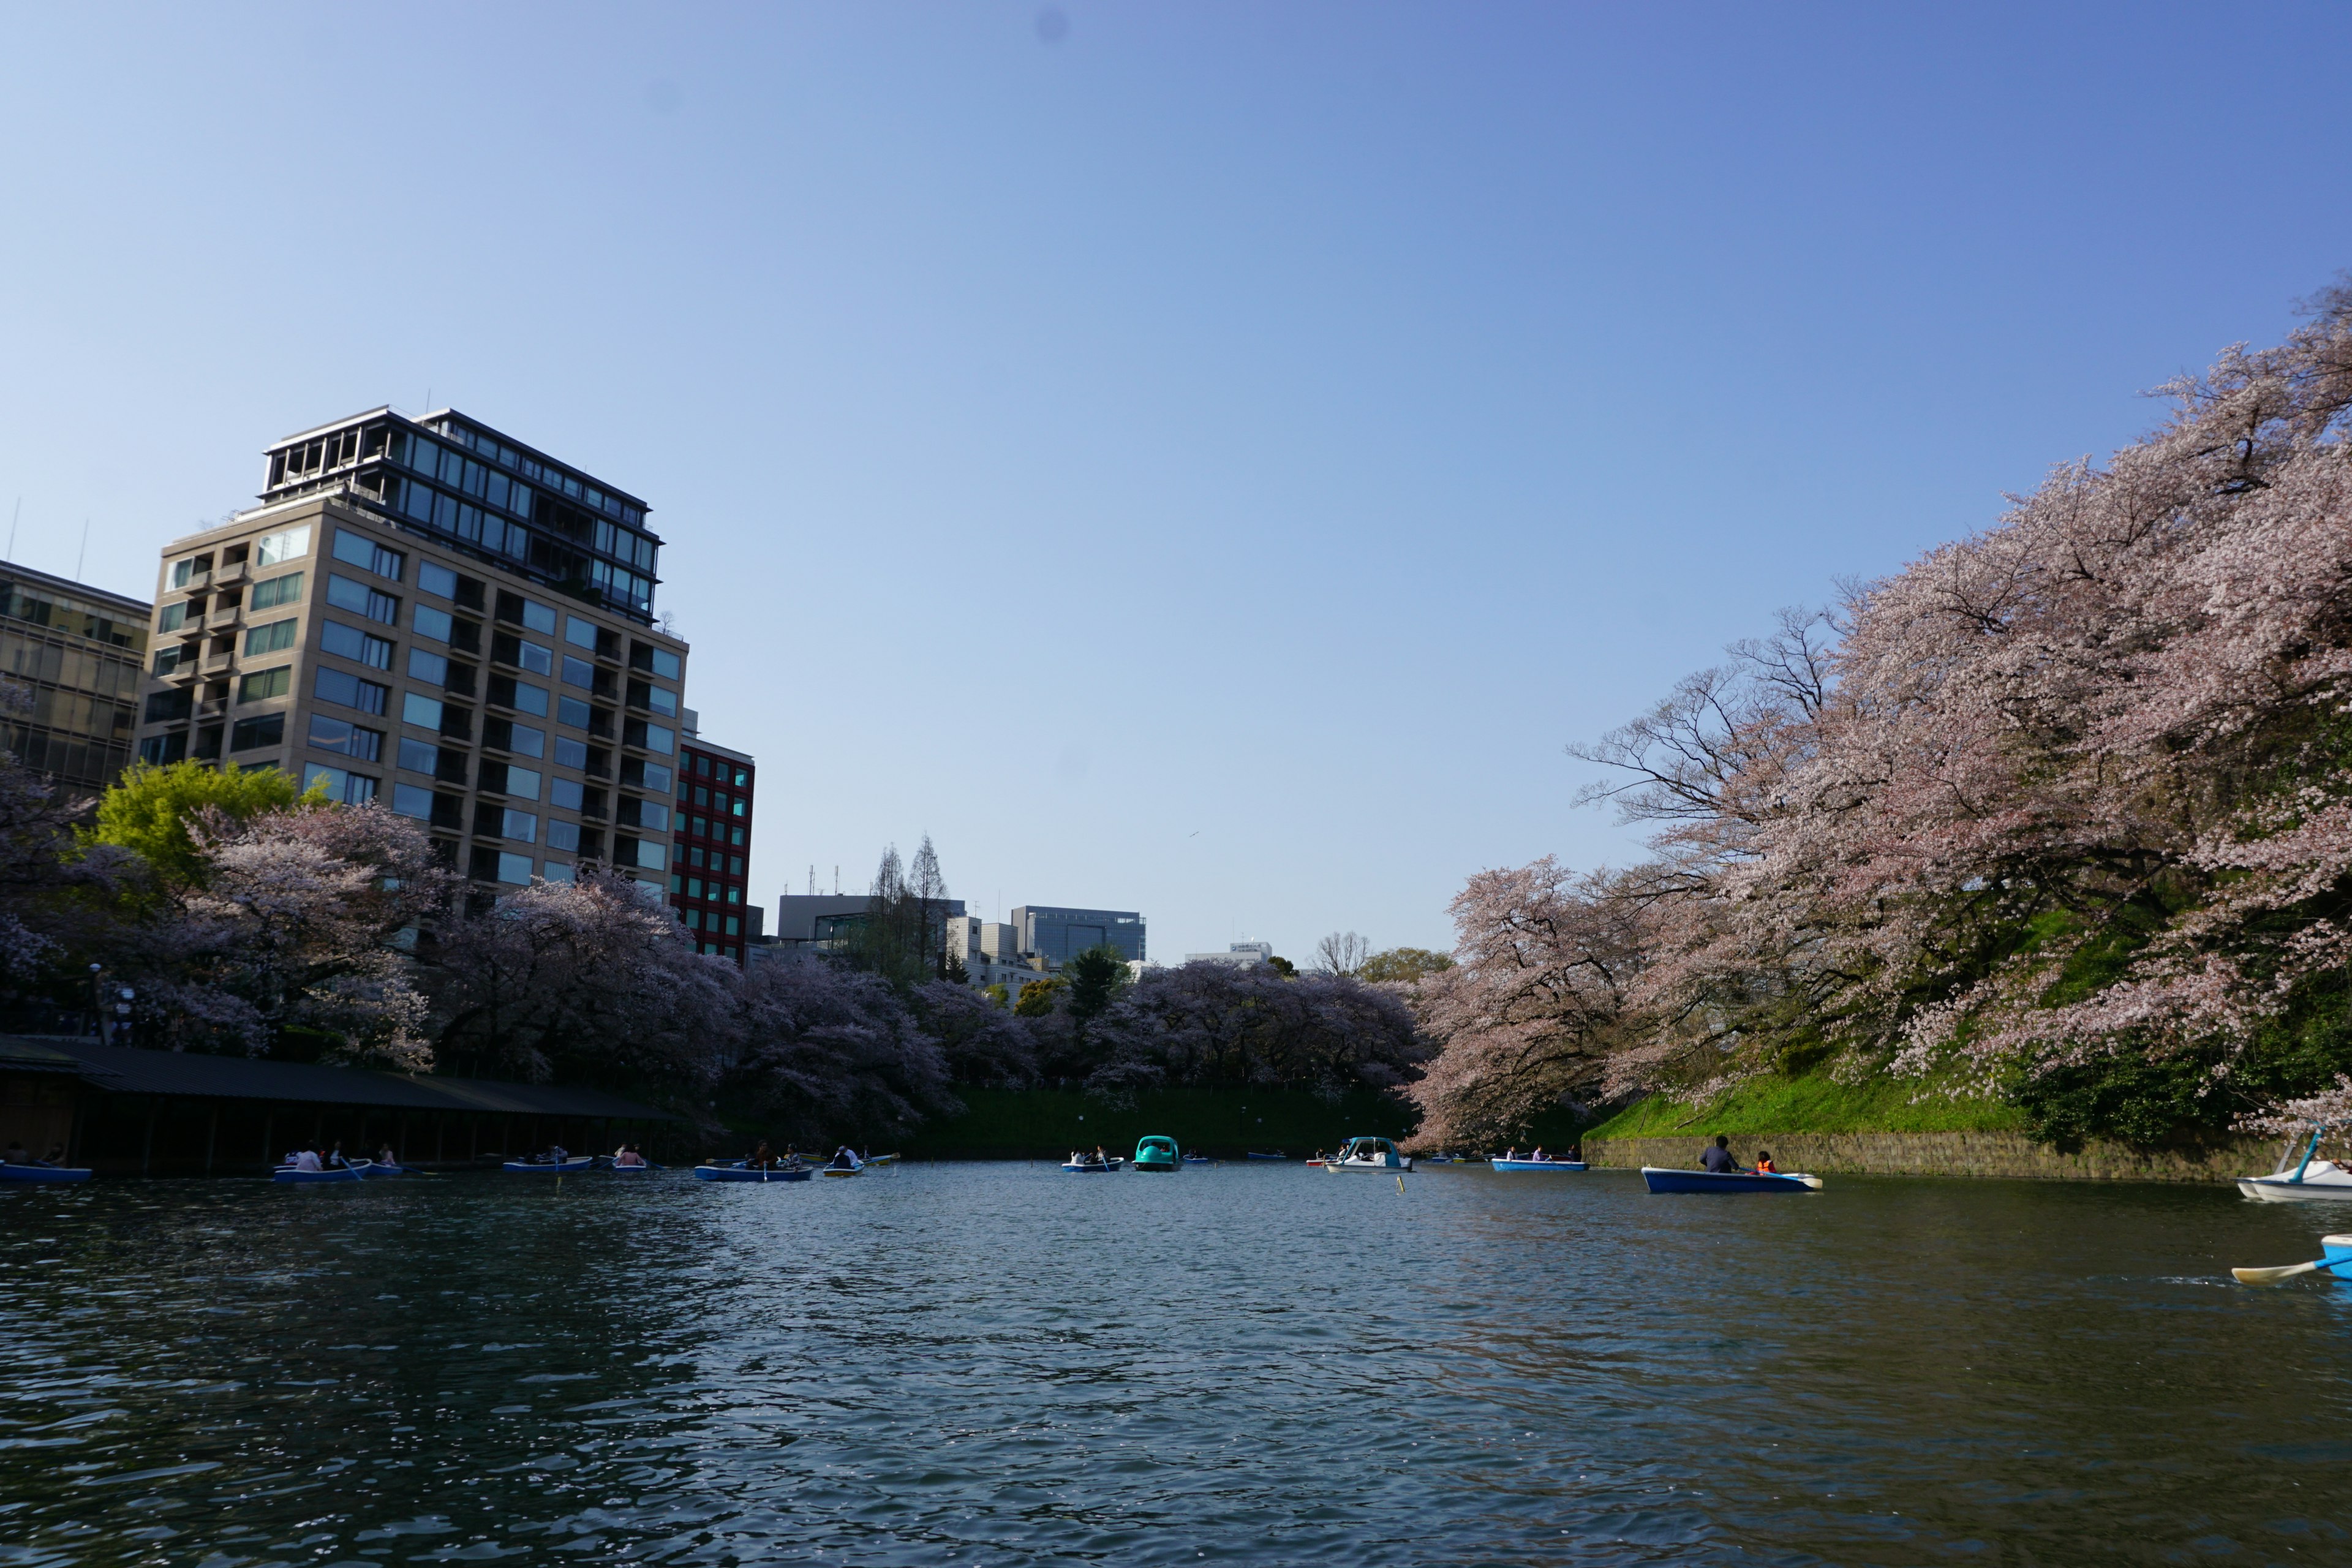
1201 457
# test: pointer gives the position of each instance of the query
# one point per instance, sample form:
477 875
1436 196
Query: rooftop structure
1239 954
481 494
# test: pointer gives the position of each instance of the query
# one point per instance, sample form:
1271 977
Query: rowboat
1094 1167
1198 1160
544 1167
844 1162
620 1169
1268 1154
1369 1155
1502 1164
1661 1180
1314 1164
287 1175
376 1168
44 1173
740 1171
1155 1152
2313 1180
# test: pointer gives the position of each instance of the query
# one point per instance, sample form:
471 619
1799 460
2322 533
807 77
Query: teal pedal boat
1154 1152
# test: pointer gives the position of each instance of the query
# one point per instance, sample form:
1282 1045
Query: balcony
225 617
234 572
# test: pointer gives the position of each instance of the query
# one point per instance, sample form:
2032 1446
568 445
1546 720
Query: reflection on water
997 1365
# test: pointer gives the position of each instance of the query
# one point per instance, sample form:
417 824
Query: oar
2273 1276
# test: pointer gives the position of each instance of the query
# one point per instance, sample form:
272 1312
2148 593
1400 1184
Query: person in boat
1719 1158
56 1156
1539 1156
763 1158
1764 1166
843 1159
385 1156
307 1160
629 1157
335 1156
557 1153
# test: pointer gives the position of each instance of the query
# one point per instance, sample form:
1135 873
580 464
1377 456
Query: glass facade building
75 654
485 496
1058 936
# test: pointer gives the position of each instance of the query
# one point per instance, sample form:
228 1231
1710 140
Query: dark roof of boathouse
126 1069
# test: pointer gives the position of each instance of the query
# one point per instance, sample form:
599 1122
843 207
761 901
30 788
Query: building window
350 642
352 740
162 750
358 550
565 792
276 591
275 638
562 835
263 684
346 593
351 789
419 757
579 634
284 546
430 622
556 871
251 734
430 668
522 827
522 783
437 581
412 800
422 711
571 753
515 868
167 660
351 691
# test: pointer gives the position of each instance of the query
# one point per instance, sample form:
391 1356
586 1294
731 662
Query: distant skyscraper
1058 936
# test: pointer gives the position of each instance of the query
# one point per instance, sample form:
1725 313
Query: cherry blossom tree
1215 1026
820 1051
585 981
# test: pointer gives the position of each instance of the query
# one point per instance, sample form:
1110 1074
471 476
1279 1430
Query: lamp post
122 1016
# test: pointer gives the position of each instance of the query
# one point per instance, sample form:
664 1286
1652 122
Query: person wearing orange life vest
1764 1166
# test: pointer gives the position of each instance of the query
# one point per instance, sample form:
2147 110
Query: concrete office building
77 651
1057 935
423 611
711 854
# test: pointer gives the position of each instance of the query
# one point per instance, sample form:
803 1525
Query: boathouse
124 1111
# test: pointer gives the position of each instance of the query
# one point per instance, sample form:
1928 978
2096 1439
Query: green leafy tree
1284 967
1406 964
148 811
1096 977
1037 997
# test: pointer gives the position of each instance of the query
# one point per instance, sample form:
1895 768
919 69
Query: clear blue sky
1200 458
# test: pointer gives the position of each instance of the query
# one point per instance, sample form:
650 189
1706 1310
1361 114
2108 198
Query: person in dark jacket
1719 1158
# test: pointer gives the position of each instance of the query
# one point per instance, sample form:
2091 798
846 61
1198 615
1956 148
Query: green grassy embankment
1041 1123
1814 1103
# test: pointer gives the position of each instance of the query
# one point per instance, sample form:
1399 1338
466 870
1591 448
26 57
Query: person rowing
1718 1159
627 1157
763 1158
844 1159
307 1160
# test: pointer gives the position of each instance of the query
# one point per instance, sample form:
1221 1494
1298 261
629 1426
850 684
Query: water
999 1364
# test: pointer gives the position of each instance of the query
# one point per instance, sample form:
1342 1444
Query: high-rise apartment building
711 855
75 653
497 678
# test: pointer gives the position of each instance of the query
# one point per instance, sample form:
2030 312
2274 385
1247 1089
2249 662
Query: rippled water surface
999 1363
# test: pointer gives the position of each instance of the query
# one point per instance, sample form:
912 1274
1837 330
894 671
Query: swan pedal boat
1156 1153
1660 1179
1095 1167
1369 1155
42 1174
1502 1164
2313 1180
287 1175
577 1163
739 1170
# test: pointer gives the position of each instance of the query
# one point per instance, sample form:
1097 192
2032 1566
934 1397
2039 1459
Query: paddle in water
2286 1271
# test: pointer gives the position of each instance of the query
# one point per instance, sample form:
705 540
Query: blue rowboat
1155 1152
1268 1154
1661 1180
1502 1164
51 1174
577 1163
2337 1250
376 1168
620 1169
1093 1167
739 1172
1198 1160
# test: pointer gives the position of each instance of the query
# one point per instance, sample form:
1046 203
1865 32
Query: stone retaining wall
1947 1155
